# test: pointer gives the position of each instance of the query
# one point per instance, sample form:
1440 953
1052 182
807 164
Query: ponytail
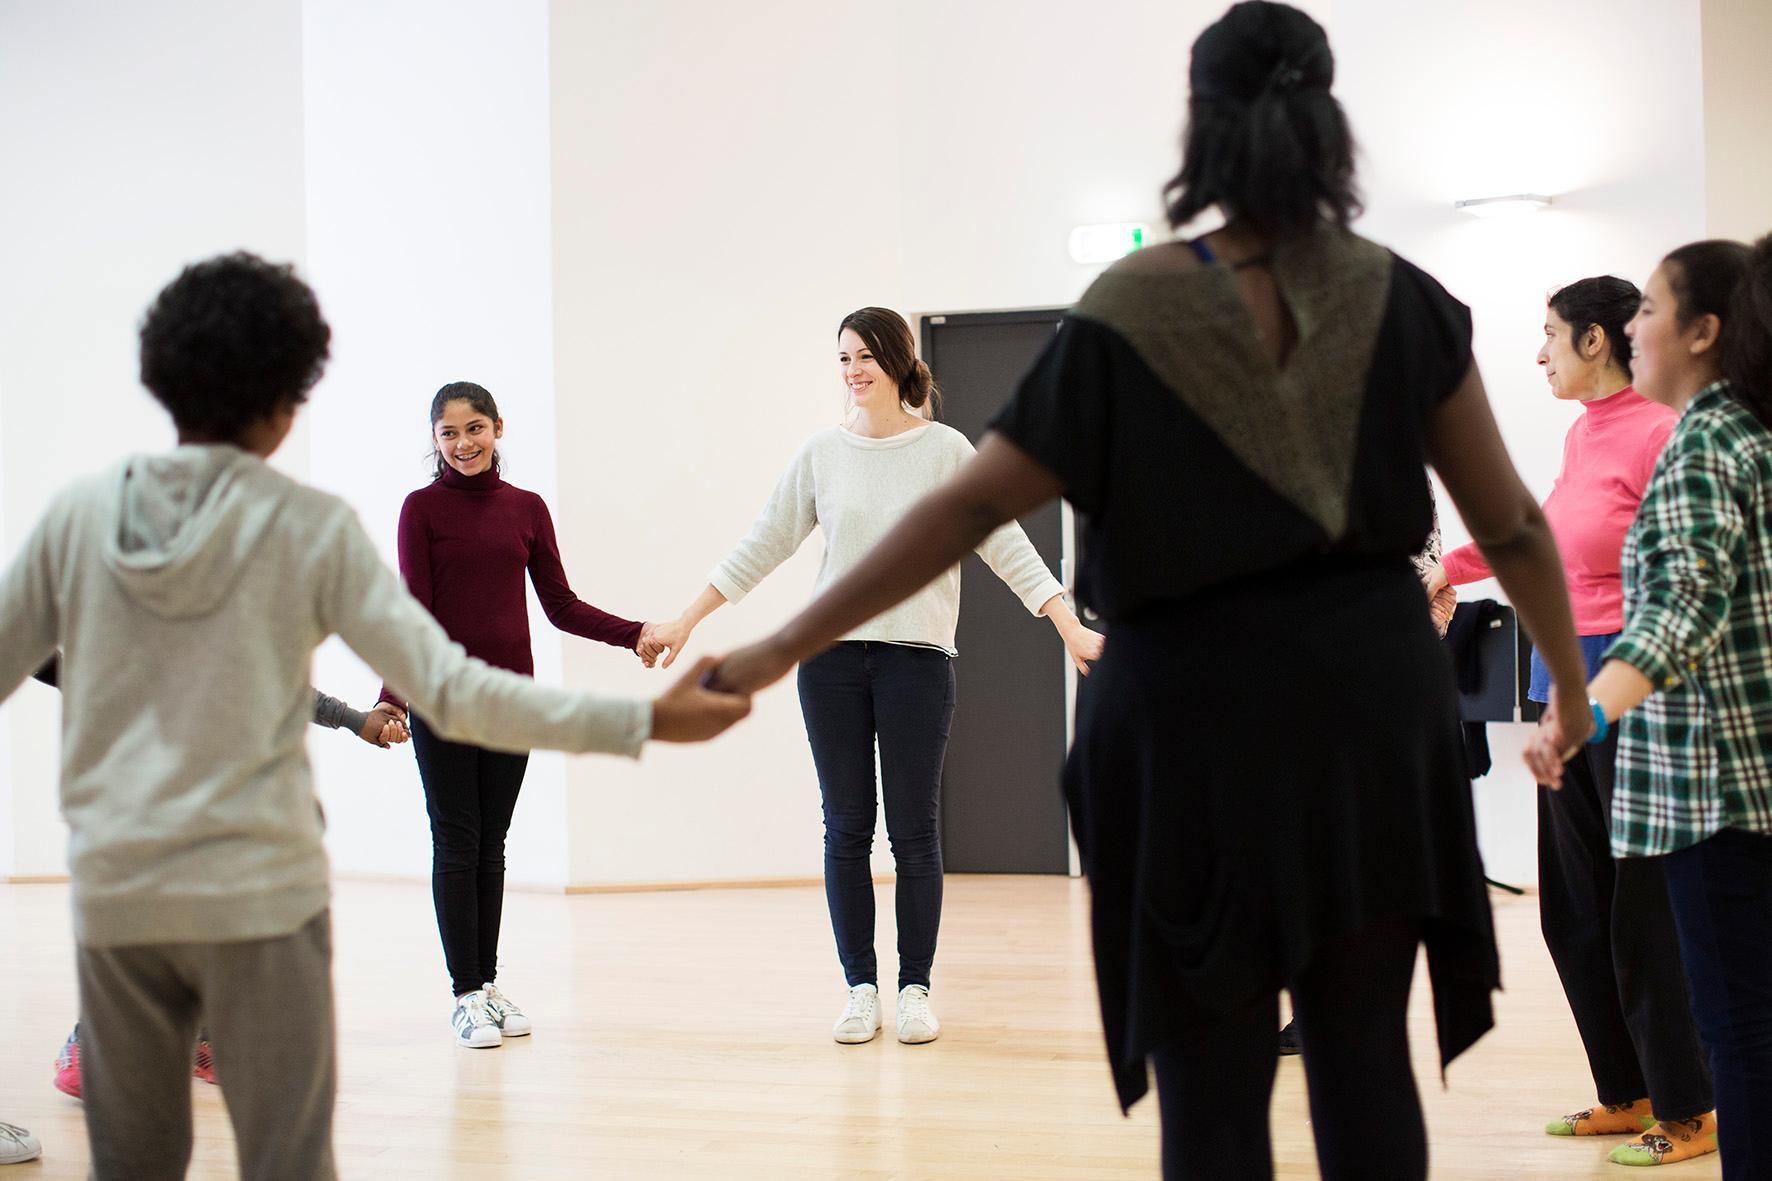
1747 336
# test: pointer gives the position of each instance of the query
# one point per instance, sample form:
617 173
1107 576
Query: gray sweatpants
267 1005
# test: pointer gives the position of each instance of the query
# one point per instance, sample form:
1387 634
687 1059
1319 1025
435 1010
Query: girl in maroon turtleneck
466 541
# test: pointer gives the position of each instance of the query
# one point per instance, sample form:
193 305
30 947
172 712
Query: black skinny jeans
1610 932
850 695
1351 1002
1721 890
470 794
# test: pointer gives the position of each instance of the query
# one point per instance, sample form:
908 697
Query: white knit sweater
855 489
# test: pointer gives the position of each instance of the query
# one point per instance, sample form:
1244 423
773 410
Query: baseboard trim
395 879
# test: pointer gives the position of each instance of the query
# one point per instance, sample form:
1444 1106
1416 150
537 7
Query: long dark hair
1706 279
1747 347
889 338
1266 142
1606 301
477 396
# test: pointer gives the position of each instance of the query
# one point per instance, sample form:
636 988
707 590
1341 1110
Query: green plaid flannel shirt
1697 756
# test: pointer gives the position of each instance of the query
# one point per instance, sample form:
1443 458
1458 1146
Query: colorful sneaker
474 1024
916 1022
17 1145
861 1016
509 1018
204 1067
67 1066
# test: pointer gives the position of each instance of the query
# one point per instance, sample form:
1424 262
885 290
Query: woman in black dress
1267 783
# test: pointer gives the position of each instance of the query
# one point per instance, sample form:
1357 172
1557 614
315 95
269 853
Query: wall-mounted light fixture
1105 243
1509 206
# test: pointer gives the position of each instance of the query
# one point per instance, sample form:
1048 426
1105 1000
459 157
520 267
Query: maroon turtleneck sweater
465 543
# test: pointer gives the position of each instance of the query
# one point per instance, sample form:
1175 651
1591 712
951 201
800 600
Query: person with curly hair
200 881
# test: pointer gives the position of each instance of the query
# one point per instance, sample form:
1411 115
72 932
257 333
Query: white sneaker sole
845 1037
492 1043
921 1037
524 1032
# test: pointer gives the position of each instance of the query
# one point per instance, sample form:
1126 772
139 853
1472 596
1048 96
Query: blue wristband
1601 726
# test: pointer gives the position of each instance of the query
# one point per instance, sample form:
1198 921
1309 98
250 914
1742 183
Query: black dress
1267 754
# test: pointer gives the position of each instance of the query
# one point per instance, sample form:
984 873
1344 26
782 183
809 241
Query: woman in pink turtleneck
1606 922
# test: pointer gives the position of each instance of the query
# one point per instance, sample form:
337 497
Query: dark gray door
1002 810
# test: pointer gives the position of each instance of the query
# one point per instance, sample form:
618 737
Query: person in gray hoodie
200 891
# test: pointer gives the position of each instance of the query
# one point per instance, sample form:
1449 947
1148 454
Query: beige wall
1737 118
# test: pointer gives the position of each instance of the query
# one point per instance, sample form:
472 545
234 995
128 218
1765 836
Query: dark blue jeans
1721 891
850 695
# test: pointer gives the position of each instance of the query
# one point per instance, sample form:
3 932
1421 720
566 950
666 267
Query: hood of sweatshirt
187 523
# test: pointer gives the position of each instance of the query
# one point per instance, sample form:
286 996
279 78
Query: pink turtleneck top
1608 457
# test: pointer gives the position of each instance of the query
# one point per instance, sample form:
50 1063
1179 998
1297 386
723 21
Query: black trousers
1352 1003
1721 889
1611 934
470 794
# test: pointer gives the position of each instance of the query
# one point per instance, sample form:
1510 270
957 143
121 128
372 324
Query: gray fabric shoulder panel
1295 426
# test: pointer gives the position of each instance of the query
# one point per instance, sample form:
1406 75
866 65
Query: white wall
1614 132
136 138
428 244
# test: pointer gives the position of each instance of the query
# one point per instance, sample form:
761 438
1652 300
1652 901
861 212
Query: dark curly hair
1265 142
230 342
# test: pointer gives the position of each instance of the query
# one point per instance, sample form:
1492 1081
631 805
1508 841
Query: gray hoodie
187 592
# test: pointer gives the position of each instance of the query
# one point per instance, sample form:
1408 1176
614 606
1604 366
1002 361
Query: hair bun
1260 48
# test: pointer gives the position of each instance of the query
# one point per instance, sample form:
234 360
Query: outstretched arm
997 485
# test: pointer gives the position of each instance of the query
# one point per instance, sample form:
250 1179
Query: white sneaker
505 1014
916 1021
17 1145
475 1026
861 1016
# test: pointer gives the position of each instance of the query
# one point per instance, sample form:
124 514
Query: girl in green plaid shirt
1689 682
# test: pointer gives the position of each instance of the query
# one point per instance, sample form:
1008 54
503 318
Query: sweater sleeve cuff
1041 594
721 580
1465 564
1655 661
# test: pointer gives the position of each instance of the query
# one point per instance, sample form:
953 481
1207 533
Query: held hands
1562 729
385 726
1083 644
689 711
665 639
1440 606
751 668
647 646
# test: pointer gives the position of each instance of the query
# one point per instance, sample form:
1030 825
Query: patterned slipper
1614 1119
1689 1139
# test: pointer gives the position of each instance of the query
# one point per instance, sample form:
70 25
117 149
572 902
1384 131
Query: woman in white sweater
892 678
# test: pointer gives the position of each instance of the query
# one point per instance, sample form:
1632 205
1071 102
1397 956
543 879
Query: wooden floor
686 1035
